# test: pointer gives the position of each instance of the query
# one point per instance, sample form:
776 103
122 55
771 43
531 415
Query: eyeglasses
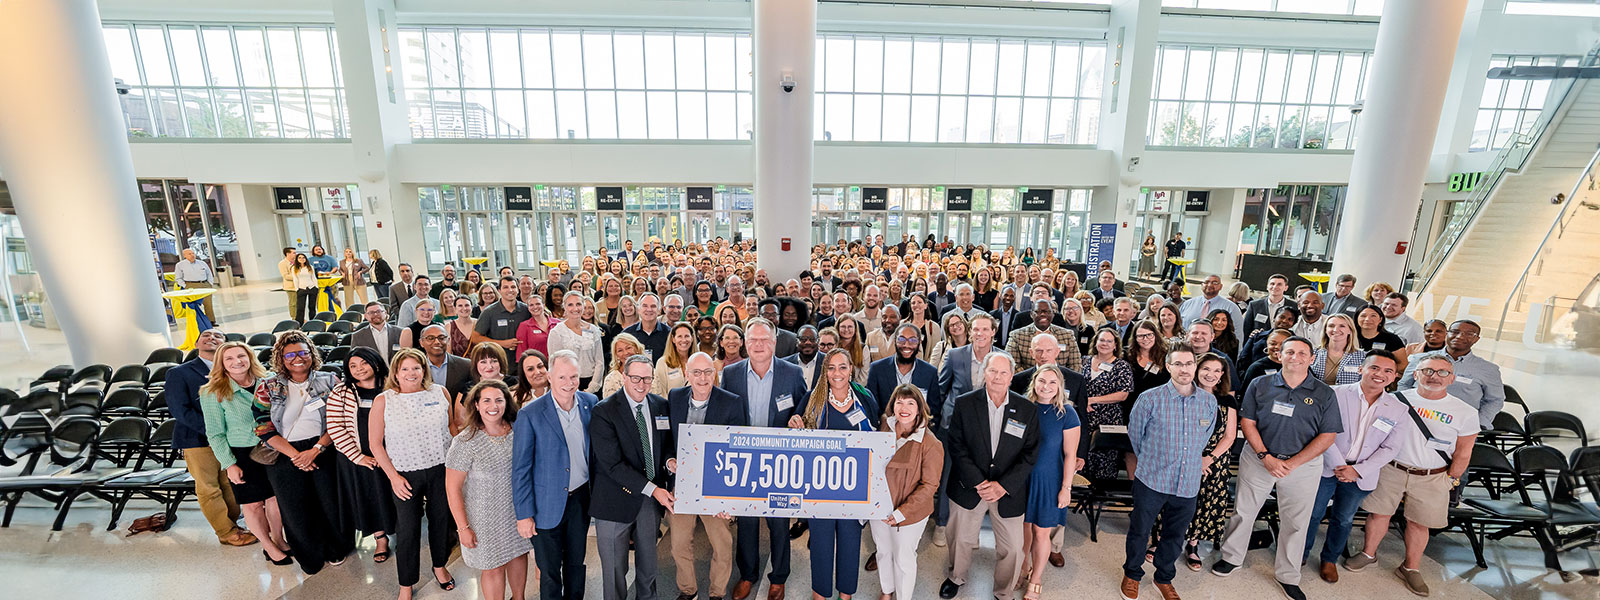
1189 363
907 340
1435 372
1464 334
433 338
640 379
702 372
297 354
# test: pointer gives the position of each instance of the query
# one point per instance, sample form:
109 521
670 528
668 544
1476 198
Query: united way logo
785 501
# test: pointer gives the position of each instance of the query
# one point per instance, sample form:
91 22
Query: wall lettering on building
1466 182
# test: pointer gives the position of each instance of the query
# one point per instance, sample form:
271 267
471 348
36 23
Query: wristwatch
317 446
1263 455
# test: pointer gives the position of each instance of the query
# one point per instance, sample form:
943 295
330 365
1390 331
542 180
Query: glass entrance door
1033 231
1000 230
956 226
702 227
610 234
485 236
662 226
525 249
297 232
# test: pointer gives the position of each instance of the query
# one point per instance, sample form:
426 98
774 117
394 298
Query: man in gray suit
379 334
451 371
1342 300
962 373
400 290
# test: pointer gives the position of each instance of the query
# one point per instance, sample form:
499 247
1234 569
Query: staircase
1494 249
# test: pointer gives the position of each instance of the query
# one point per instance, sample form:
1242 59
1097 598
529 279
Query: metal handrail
1521 147
1557 227
1518 151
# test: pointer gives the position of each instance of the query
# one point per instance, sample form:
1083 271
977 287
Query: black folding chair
164 355
261 339
285 325
1554 424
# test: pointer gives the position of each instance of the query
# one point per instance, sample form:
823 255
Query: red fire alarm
1400 247
380 224
784 245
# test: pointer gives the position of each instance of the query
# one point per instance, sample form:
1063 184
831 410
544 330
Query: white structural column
1124 118
369 60
784 41
64 152
1394 139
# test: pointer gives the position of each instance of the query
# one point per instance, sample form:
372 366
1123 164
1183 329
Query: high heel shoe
287 560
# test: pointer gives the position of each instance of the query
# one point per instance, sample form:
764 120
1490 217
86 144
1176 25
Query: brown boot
1130 588
1329 573
741 591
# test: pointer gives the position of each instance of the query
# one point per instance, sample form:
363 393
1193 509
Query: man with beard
1310 325
871 314
879 339
770 310
902 368
807 356
1044 312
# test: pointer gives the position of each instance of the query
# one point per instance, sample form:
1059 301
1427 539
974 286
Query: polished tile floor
85 561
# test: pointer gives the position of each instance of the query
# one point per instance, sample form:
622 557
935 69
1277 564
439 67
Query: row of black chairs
1535 491
119 461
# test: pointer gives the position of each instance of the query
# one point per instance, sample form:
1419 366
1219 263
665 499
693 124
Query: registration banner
767 472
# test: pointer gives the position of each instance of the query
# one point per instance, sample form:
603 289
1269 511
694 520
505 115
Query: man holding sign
631 433
770 390
994 441
701 403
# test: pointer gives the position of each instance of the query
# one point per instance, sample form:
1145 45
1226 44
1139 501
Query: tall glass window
1291 220
228 81
1334 7
958 89
478 82
1255 97
1511 107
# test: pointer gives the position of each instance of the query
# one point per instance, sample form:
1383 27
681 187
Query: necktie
644 442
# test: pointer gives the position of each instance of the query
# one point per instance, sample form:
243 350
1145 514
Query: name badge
424 404
1014 428
314 405
1466 380
1205 422
1380 345
1280 407
1123 429
502 322
366 404
1084 339
1351 369
1271 371
1105 367
856 417
663 423
785 402
1384 425
872 349
1438 444
924 393
1261 318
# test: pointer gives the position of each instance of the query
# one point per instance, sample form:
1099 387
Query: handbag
1455 491
264 455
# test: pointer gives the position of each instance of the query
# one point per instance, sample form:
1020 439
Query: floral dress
1214 504
1112 377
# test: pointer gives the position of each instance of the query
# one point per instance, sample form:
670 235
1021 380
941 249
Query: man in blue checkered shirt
1169 428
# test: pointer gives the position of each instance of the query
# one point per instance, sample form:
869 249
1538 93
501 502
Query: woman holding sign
913 474
843 406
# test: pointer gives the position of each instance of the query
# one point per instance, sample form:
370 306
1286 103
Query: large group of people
507 413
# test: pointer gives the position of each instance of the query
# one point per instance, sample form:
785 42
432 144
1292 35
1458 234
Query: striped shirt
1169 432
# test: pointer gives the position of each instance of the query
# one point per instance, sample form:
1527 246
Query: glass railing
1556 301
1511 158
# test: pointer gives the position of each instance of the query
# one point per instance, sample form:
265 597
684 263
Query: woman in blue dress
1050 485
838 404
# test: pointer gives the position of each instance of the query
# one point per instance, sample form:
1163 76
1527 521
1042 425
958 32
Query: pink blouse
532 335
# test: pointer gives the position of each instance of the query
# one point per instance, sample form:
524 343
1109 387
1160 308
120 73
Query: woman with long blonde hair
1050 484
227 403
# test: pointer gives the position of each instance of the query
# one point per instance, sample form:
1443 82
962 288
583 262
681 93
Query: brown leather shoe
775 591
872 562
1330 574
238 537
742 590
1167 591
1130 588
1057 560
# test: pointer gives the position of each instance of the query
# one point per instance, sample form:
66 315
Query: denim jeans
1347 499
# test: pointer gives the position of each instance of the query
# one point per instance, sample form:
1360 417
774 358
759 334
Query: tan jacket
879 346
913 475
286 270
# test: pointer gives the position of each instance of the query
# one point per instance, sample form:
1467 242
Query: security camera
787 83
1558 198
122 87
1355 109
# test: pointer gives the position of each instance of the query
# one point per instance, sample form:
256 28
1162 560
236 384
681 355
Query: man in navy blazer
887 374
550 479
189 437
771 390
955 379
807 355
701 403
631 432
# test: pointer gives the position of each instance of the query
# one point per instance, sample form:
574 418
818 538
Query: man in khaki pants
286 270
211 486
994 441
701 403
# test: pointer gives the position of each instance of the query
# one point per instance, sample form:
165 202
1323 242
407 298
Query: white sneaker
939 536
